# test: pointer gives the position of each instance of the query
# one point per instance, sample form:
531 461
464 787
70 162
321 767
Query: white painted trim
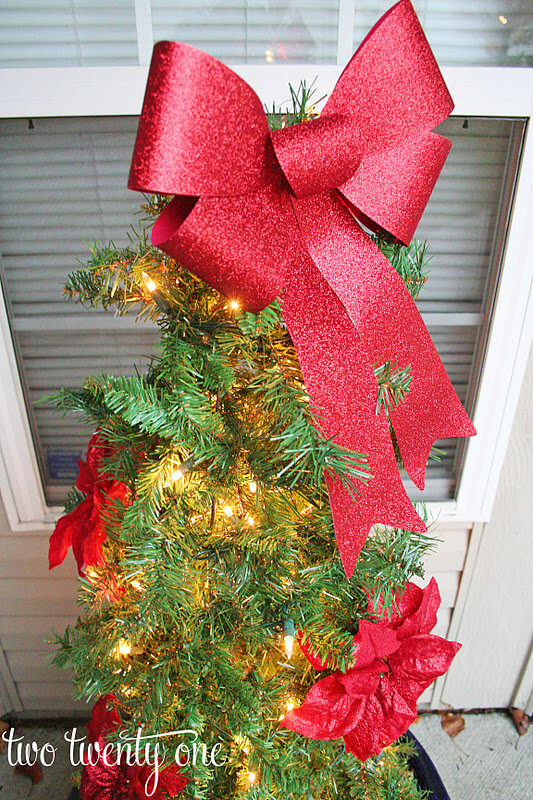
8 690
20 479
508 349
345 32
460 604
145 37
523 696
102 91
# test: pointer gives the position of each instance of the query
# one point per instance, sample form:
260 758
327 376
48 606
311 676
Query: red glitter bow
374 702
259 214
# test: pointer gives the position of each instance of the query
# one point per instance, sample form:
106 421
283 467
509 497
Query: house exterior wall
495 626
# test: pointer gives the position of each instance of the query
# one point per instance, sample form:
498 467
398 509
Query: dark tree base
425 772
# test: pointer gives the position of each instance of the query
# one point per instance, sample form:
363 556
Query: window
66 138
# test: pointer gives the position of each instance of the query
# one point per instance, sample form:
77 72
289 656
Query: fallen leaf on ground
452 723
4 727
34 773
521 720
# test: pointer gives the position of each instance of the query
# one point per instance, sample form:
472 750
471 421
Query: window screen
63 181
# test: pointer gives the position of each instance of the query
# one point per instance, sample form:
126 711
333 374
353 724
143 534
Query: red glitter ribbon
259 214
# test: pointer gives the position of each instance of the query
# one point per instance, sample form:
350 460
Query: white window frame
477 91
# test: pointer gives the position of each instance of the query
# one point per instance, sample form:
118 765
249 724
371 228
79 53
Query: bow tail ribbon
389 324
340 380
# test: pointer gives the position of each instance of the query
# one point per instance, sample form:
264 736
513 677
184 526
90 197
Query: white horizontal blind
465 32
67 33
460 226
64 181
61 183
252 31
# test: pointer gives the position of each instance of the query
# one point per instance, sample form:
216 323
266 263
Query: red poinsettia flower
122 781
374 702
83 528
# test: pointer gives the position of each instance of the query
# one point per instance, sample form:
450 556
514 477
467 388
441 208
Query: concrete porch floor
486 761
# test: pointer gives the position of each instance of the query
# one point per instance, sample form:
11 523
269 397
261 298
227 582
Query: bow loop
390 189
392 83
202 131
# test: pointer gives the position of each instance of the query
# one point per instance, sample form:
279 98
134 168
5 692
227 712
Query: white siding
33 603
496 624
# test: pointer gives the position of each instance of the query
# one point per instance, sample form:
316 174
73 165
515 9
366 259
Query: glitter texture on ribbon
260 214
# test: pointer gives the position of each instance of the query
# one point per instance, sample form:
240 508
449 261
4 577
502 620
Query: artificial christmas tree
214 590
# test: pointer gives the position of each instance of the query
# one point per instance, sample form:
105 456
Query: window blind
465 32
94 32
64 181
252 31
67 33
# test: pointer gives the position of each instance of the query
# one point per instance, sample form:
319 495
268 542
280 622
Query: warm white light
228 511
289 705
250 521
136 585
269 56
251 777
177 475
503 19
150 285
234 305
289 645
252 487
123 648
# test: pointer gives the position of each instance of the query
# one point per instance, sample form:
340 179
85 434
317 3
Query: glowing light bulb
288 637
150 285
228 511
250 521
234 305
123 648
136 585
177 475
252 777
503 19
289 645
252 487
269 56
289 705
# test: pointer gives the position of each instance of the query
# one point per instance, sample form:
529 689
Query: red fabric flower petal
333 705
315 659
364 740
104 718
374 640
66 530
419 661
396 660
83 528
